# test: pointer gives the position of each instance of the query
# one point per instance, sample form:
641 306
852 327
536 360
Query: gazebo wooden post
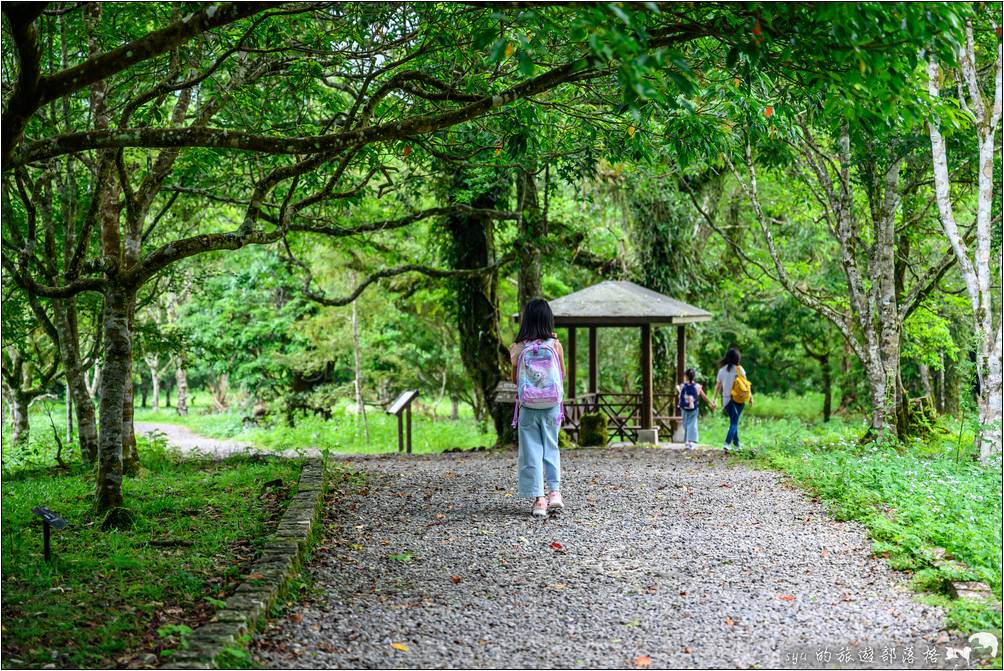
571 362
646 376
593 372
681 352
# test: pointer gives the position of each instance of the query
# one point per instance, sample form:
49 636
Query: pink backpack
539 382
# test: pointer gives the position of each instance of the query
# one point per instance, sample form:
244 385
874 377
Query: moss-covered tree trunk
471 244
130 455
115 379
65 313
530 236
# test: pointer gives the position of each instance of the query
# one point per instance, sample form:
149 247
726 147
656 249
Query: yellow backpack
741 387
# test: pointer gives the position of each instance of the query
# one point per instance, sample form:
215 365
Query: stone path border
279 563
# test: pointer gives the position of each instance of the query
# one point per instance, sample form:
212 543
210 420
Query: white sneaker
540 507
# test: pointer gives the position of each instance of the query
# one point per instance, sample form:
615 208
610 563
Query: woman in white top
727 375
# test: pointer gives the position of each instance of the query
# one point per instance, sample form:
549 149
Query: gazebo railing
623 413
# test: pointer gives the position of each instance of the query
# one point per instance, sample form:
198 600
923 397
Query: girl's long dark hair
732 358
536 322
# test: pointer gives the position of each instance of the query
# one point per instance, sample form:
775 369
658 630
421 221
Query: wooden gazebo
635 417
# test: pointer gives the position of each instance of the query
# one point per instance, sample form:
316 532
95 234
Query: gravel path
678 556
188 442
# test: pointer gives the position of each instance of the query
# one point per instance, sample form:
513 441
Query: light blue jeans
538 451
690 425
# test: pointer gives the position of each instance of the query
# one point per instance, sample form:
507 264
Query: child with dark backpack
689 393
538 369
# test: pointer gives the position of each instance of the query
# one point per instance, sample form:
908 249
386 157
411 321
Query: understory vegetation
114 597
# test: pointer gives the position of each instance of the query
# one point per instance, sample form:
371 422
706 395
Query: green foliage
242 324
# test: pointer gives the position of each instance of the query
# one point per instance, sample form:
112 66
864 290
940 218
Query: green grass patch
344 432
109 595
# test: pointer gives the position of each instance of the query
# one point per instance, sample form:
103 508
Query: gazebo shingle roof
622 303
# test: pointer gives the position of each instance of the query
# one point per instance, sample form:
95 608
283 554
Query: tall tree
982 114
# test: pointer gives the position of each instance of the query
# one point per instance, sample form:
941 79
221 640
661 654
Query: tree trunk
181 381
848 381
219 387
924 372
19 404
115 380
130 456
940 396
485 356
884 269
65 313
358 363
824 364
454 409
530 234
154 383
953 388
69 412
94 384
975 269
990 402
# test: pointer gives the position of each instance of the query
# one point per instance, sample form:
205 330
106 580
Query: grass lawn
111 595
344 432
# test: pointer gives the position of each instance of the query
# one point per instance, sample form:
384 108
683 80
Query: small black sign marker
50 520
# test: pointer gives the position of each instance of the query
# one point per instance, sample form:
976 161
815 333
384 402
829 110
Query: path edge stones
267 580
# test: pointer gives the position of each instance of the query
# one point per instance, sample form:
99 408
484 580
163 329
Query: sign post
50 520
402 408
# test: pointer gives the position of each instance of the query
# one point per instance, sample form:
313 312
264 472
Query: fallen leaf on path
399 646
729 621
456 579
643 661
326 647
555 546
295 617
440 516
687 650
727 486
825 553
786 597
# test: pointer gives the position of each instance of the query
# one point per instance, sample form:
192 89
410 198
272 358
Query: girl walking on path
734 396
538 369
689 392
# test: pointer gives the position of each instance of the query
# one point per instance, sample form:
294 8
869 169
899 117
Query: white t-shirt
727 378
